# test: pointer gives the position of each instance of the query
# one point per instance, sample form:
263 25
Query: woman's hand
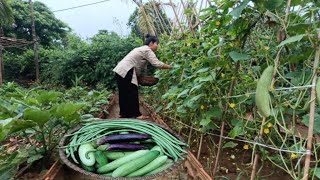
166 66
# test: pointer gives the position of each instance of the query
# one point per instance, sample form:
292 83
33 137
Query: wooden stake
190 134
34 38
256 157
175 14
200 146
312 112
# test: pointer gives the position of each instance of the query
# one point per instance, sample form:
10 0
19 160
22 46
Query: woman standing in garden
127 72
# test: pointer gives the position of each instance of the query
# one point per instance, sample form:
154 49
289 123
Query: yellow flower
232 105
231 44
217 23
221 56
266 48
269 125
223 75
188 44
266 130
293 156
246 147
202 107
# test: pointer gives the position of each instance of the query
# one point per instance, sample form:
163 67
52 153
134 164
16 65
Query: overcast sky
86 21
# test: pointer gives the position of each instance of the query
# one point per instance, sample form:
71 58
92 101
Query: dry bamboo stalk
256 157
158 15
198 14
167 25
287 12
200 146
209 2
194 12
1 64
312 112
188 18
175 13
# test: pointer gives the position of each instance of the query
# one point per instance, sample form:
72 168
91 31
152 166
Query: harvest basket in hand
93 175
147 80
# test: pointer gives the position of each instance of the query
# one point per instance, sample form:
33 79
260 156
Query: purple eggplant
119 138
127 147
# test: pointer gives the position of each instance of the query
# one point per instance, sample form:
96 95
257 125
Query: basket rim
73 166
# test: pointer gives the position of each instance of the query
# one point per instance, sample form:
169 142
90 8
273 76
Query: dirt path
114 109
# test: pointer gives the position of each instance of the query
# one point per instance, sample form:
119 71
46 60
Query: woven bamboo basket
93 176
147 80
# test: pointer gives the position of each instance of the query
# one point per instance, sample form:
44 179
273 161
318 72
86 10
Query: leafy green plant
41 117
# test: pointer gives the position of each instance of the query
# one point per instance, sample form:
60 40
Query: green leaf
68 111
237 56
38 116
317 172
316 128
236 131
169 105
34 158
19 125
8 172
214 47
272 4
45 97
236 12
183 93
203 70
205 122
196 87
291 40
230 145
3 133
215 113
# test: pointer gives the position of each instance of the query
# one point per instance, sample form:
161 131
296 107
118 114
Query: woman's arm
154 61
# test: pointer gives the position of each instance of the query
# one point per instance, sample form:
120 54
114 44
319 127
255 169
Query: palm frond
145 20
6 15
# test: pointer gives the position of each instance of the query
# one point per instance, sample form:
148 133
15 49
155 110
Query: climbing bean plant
237 41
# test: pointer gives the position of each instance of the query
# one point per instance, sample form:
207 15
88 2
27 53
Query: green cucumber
262 92
101 158
87 168
117 163
83 150
157 148
135 164
108 174
165 166
159 161
116 154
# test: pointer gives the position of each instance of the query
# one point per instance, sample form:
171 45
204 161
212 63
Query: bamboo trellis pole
158 16
312 111
177 18
188 18
166 23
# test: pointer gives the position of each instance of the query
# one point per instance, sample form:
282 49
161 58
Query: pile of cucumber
124 148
